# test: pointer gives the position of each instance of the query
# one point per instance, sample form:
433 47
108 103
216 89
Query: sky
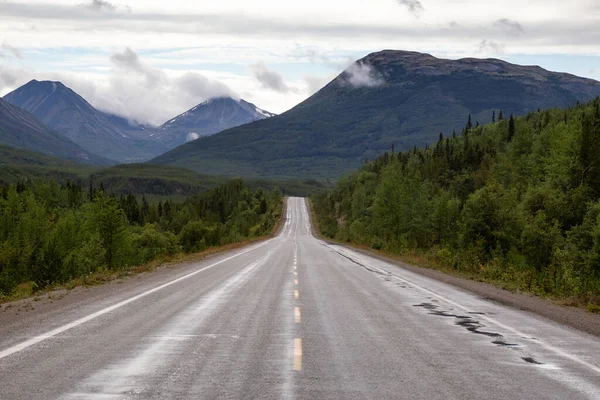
151 60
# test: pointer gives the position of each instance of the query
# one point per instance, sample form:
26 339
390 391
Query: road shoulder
569 316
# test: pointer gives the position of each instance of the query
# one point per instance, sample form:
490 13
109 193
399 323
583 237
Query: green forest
515 202
51 233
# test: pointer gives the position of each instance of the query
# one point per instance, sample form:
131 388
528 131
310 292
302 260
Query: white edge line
490 320
54 332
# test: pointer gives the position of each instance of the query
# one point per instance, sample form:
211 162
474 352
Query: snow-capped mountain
69 114
208 118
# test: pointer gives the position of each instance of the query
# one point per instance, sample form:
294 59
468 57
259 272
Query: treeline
51 233
515 202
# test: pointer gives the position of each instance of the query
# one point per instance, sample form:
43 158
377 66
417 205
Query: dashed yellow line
295 273
297 315
296 282
296 294
298 354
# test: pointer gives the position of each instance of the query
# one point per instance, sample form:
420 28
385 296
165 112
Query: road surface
291 317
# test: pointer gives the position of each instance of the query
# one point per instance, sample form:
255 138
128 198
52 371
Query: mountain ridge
69 114
207 118
387 98
22 130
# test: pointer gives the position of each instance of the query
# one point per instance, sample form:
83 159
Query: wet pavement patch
473 326
532 361
427 306
502 343
445 314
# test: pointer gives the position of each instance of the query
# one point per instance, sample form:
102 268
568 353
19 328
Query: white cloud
269 79
509 26
490 47
414 6
362 75
191 137
99 5
189 50
7 49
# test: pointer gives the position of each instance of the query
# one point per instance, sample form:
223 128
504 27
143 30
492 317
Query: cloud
414 6
149 95
269 79
191 137
132 89
489 46
129 61
8 77
6 48
509 26
360 75
99 5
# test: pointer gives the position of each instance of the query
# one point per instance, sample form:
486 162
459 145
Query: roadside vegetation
52 233
515 202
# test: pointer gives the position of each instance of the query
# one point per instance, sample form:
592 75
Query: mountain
21 130
67 113
208 118
387 98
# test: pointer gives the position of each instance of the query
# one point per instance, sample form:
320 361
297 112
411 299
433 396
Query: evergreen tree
500 116
108 221
511 128
494 116
145 211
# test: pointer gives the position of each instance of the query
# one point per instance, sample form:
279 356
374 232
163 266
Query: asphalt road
292 317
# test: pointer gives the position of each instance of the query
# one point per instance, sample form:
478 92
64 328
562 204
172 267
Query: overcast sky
150 60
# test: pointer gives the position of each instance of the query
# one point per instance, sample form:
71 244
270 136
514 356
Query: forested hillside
51 233
386 98
516 202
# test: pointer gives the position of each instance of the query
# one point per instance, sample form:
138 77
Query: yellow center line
298 354
296 294
297 315
296 282
295 273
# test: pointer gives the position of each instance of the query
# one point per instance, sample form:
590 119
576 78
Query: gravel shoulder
573 317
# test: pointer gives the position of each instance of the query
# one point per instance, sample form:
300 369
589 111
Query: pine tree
500 116
109 222
494 116
469 124
511 128
145 211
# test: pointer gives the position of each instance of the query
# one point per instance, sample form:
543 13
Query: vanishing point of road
292 317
